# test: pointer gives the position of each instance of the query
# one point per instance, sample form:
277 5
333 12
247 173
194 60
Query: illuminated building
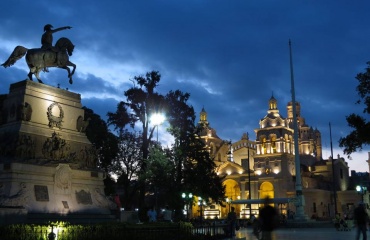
272 167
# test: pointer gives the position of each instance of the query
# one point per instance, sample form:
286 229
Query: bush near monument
112 231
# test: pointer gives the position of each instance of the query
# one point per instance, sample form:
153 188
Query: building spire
203 117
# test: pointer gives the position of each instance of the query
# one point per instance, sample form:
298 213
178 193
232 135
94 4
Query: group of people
265 224
166 215
268 220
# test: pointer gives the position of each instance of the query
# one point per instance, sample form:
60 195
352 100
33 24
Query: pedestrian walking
256 226
167 215
231 220
361 220
152 215
268 218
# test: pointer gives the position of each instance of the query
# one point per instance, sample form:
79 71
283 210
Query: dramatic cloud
231 56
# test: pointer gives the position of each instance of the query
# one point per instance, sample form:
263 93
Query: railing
211 231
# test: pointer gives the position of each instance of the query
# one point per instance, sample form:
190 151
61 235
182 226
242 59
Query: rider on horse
47 56
47 38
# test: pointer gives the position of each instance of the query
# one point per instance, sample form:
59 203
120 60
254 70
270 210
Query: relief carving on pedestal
82 124
19 199
24 112
25 147
41 193
62 179
88 156
103 200
8 143
55 121
83 197
56 148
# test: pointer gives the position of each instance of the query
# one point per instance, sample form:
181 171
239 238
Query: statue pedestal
47 189
47 164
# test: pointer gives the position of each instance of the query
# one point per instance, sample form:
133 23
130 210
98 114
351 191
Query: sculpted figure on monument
47 37
56 148
24 112
39 59
82 124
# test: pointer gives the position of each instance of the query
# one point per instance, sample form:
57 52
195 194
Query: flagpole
299 215
332 166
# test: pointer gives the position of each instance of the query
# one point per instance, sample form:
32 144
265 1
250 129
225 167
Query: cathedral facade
264 166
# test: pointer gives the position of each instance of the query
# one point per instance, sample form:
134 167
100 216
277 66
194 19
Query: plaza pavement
302 234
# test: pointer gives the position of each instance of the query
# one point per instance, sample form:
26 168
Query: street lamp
228 201
157 119
361 190
188 198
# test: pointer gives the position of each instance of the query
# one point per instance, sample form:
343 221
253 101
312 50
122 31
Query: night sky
231 56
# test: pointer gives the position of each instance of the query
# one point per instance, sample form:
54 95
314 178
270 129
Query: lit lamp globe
157 119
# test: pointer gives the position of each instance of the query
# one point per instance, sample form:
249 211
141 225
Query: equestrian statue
39 59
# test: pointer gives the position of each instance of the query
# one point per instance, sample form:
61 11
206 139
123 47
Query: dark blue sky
229 55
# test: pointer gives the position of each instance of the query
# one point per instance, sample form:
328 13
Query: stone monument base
28 189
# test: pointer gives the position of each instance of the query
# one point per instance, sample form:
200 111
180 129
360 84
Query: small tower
203 118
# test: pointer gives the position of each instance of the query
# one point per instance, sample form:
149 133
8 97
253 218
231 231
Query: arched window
266 190
263 141
273 143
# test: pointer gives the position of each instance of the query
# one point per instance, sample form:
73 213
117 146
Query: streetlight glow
362 190
157 119
188 199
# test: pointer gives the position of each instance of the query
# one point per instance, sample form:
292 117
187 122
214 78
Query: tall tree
126 165
360 136
195 168
141 102
192 167
181 117
160 177
105 142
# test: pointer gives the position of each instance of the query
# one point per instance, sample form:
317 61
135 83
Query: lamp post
228 201
188 198
157 119
361 190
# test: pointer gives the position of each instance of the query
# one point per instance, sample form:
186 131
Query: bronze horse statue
38 59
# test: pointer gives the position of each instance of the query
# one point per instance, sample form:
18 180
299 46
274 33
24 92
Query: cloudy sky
231 56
